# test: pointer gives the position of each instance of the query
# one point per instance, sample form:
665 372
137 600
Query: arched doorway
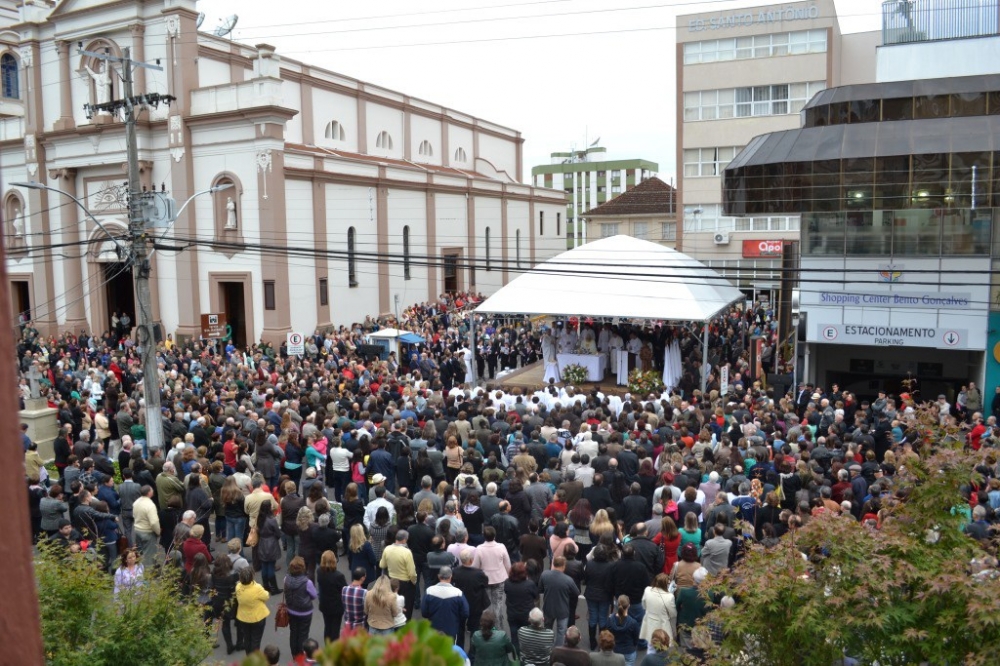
111 283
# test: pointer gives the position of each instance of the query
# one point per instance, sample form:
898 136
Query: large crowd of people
488 512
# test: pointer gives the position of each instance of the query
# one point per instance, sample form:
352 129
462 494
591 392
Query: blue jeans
597 613
629 659
291 547
235 528
560 626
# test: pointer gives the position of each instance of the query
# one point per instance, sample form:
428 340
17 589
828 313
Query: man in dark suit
473 583
598 496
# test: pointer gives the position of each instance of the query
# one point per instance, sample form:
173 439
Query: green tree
84 625
903 593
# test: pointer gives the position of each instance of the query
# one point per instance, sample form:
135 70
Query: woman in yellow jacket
251 610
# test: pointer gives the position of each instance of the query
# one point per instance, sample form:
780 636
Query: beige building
647 211
345 198
742 73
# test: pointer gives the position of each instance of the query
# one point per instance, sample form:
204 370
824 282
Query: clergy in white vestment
604 339
634 344
467 357
588 344
548 347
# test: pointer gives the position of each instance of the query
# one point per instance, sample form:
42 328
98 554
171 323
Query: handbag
281 614
253 537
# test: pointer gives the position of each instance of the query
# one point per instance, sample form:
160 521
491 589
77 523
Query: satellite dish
201 19
596 141
226 25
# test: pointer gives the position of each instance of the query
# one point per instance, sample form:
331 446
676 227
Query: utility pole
139 224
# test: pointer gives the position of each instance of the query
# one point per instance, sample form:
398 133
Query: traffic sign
213 326
951 338
724 380
830 332
296 344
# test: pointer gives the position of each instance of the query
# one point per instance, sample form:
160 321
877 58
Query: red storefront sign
753 249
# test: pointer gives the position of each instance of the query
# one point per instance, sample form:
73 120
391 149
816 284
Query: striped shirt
536 645
353 597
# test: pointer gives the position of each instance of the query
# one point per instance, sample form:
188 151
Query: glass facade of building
895 169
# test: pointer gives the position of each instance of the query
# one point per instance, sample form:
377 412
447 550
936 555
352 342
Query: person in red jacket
194 545
975 435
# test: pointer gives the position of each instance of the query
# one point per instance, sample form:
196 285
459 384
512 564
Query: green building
589 178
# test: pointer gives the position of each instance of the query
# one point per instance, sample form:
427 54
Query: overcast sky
563 72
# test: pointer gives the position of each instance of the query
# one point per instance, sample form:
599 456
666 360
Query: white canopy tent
618 277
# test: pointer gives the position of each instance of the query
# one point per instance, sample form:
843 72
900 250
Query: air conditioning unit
721 238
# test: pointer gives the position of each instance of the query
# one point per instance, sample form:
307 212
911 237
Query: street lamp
32 185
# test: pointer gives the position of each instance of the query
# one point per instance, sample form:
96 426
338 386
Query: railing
905 21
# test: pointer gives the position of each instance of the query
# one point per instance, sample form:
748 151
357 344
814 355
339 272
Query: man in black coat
473 583
635 507
420 543
647 552
598 496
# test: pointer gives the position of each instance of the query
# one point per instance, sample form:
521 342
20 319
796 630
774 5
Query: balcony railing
905 21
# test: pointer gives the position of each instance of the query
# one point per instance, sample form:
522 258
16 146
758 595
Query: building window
669 231
334 131
708 161
269 295
558 224
426 149
352 265
640 229
609 229
460 155
541 223
8 75
750 101
601 188
488 266
324 292
755 46
517 247
711 219
383 140
406 252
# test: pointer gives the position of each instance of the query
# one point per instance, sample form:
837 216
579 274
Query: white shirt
373 508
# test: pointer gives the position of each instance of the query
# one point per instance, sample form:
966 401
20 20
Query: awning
411 338
620 276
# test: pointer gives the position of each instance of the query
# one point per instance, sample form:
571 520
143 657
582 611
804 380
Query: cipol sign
762 248
746 19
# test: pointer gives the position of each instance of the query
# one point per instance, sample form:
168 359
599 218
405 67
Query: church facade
345 199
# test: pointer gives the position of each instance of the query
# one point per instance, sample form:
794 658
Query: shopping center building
742 73
898 187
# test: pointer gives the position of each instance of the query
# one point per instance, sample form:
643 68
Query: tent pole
472 347
704 359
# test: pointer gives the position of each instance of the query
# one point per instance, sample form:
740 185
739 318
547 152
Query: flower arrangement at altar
574 373
643 383
413 644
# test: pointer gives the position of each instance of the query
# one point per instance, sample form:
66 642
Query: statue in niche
102 83
17 219
230 214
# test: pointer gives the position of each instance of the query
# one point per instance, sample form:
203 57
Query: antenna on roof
596 141
200 20
226 25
